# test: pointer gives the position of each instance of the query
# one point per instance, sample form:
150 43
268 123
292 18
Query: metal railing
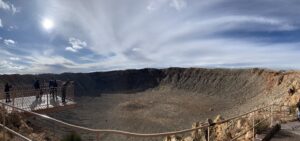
37 99
205 126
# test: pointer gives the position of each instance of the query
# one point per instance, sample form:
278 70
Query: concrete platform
289 132
31 103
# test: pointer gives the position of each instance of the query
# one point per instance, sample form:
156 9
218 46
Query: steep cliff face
220 82
95 83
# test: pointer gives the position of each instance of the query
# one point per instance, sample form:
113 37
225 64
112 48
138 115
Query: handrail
245 132
132 133
16 133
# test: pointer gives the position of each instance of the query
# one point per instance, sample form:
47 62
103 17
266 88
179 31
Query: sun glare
47 24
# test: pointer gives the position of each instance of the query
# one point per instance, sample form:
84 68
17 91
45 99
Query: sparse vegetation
262 126
73 136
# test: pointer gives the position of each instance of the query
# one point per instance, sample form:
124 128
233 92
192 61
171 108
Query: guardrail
267 113
27 98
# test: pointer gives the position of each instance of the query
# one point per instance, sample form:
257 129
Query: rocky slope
208 81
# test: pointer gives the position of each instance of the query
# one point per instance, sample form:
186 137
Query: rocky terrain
159 100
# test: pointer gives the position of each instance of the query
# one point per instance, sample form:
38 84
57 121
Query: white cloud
8 6
156 4
178 4
4 5
14 58
1 25
76 44
9 42
71 49
8 67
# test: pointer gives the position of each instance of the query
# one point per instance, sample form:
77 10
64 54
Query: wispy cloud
7 6
117 34
76 44
9 42
14 58
178 4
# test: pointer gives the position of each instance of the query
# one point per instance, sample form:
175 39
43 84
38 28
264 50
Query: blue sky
54 36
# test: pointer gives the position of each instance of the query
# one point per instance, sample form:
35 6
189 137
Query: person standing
64 91
51 90
37 87
6 91
55 89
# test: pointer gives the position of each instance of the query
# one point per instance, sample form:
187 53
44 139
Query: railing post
47 97
13 100
271 124
22 94
208 133
253 125
3 115
98 136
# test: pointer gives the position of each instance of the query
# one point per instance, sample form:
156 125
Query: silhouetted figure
6 91
51 89
37 88
64 91
55 89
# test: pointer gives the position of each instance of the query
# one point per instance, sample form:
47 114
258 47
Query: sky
55 36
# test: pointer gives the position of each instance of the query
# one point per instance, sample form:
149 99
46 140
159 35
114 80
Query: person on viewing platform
6 91
37 88
51 88
64 91
55 89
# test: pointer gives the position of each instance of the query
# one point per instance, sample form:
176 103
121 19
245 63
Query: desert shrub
292 109
262 126
73 136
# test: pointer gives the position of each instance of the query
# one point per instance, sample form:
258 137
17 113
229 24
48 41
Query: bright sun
47 24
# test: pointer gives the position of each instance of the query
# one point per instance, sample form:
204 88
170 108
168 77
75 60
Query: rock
249 135
173 138
24 128
195 134
220 130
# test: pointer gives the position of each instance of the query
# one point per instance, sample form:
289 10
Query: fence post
98 136
3 114
253 125
13 100
208 133
22 94
47 97
271 124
